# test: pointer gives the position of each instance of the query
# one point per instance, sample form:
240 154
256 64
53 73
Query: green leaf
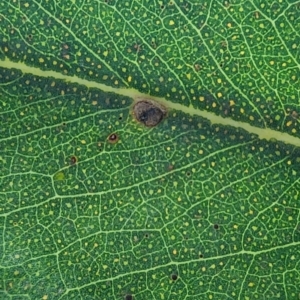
203 204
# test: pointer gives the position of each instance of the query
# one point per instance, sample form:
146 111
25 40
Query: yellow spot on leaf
59 176
171 23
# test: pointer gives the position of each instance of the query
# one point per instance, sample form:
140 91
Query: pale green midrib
135 94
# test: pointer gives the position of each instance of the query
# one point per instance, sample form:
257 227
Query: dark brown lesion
113 138
149 113
73 160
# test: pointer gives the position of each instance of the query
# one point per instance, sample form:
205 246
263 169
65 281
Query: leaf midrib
262 133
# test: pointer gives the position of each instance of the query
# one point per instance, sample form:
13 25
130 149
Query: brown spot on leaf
148 112
128 297
174 276
73 160
113 138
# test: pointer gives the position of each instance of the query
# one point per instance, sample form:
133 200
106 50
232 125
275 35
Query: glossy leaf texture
96 205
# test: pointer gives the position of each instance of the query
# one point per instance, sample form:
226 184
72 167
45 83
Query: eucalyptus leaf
149 149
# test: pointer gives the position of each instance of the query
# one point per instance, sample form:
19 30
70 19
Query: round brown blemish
128 297
113 138
73 160
174 277
149 113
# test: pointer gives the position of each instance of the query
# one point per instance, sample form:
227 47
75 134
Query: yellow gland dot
171 22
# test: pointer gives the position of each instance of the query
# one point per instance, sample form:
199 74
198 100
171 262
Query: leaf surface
95 205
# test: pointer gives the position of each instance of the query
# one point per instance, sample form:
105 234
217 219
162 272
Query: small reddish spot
73 160
113 138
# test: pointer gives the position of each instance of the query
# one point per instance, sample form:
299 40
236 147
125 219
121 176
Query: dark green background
84 218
